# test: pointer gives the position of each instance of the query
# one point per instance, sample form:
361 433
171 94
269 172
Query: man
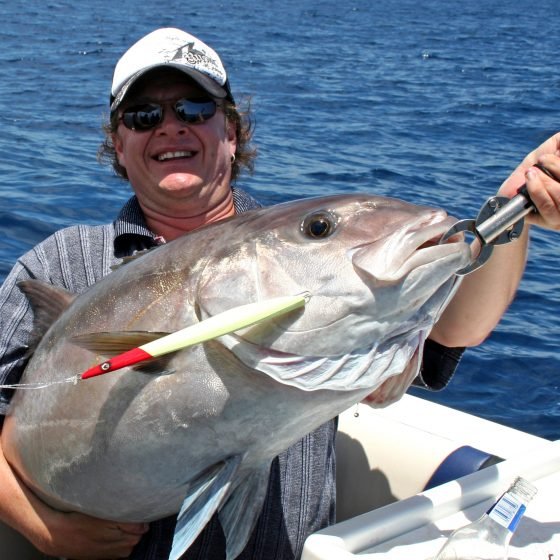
177 136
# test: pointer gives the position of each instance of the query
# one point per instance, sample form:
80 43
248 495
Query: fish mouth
415 245
425 242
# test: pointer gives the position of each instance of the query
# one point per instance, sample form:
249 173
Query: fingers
81 537
549 147
545 194
552 164
134 528
546 197
393 389
543 189
548 150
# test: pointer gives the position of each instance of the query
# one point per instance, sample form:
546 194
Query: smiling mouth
167 156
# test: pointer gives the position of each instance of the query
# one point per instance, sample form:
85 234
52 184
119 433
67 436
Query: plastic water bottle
488 537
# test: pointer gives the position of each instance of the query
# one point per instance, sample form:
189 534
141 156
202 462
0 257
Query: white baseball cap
172 48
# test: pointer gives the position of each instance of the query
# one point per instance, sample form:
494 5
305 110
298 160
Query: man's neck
171 225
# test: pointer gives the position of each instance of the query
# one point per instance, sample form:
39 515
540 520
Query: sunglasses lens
195 110
191 111
143 117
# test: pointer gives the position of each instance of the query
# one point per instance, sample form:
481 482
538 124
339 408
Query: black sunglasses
147 116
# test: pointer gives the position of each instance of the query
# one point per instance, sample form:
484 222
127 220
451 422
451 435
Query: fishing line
38 385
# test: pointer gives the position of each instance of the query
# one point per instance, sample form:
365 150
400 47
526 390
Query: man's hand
392 389
544 190
80 537
60 534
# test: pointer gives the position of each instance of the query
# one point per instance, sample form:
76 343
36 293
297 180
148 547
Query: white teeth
173 155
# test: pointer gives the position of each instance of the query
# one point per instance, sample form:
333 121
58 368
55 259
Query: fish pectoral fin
240 513
204 498
113 343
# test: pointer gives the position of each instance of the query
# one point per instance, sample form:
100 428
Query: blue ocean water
432 101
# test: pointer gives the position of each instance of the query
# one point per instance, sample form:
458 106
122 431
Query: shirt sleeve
73 258
16 325
438 365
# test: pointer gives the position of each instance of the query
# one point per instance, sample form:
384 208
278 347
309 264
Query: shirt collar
132 233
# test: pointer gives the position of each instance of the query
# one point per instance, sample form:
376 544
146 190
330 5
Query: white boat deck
388 454
398 520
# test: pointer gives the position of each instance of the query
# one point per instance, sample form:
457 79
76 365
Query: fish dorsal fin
241 512
204 498
130 258
48 302
113 343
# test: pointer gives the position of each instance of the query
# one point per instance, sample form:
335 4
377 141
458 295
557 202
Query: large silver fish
204 425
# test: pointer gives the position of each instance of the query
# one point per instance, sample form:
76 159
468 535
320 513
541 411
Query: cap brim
205 82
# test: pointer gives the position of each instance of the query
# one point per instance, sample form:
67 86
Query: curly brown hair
245 152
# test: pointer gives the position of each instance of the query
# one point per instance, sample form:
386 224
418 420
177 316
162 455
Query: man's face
175 162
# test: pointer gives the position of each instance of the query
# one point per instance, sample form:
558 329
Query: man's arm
485 294
55 533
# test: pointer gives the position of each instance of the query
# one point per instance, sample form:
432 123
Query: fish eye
319 224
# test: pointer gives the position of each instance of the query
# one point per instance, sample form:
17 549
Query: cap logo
189 55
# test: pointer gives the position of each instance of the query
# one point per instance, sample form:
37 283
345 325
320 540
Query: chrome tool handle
499 221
